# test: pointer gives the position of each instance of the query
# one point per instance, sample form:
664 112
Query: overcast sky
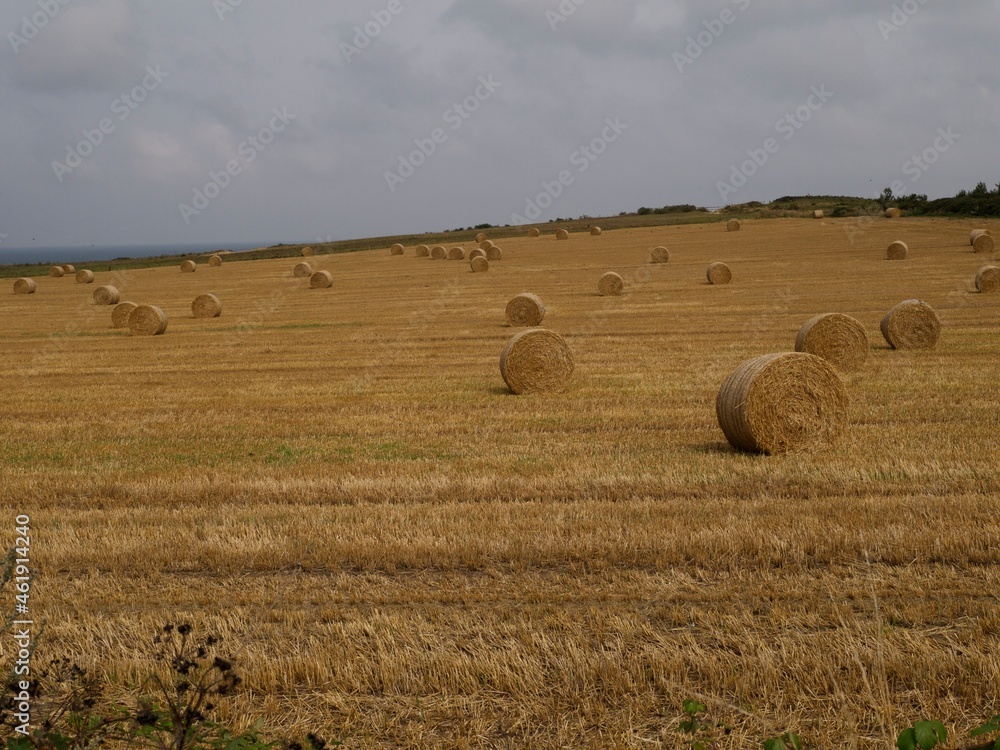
308 119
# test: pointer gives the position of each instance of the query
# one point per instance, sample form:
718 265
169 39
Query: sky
259 121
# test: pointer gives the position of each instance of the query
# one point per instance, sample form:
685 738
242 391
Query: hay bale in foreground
781 402
839 339
718 273
733 225
893 213
659 255
486 244
438 253
422 251
988 279
84 277
479 264
611 285
897 251
481 237
818 214
215 261
106 295
912 324
56 272
206 306
976 233
321 280
189 266
302 270
983 243
121 313
477 253
526 309
595 231
562 234
397 249
534 232
536 361
494 253
147 320
25 286
456 253
307 252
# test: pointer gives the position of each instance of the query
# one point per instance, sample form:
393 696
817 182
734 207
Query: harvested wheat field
400 552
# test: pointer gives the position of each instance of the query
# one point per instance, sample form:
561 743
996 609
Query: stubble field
404 554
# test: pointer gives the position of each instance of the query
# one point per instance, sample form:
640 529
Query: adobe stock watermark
582 158
786 127
562 12
31 26
454 117
248 150
900 16
224 7
714 28
122 107
369 31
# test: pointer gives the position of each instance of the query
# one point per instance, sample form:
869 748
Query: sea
81 254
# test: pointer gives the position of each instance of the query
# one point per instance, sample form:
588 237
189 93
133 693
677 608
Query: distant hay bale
893 213
456 253
912 324
611 285
988 279
397 249
486 244
84 277
839 339
595 231
215 261
147 320
481 237
477 253
975 233
321 280
302 270
422 251
494 253
479 264
206 306
659 255
526 309
733 225
68 269
308 252
438 253
106 295
897 251
718 273
25 286
781 402
536 361
562 234
121 313
534 232
817 214
57 272
189 266
983 243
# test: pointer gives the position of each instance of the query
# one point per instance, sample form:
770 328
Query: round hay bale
189 266
456 253
912 324
397 249
893 213
659 255
534 232
438 253
321 280
57 272
25 286
494 253
975 233
106 295
147 320
68 269
562 234
477 253
719 273
983 243
206 306
897 251
481 237
84 277
839 339
479 264
526 309
595 231
121 313
611 285
781 402
988 279
308 252
422 251
817 214
302 270
536 361
486 244
733 225
215 261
